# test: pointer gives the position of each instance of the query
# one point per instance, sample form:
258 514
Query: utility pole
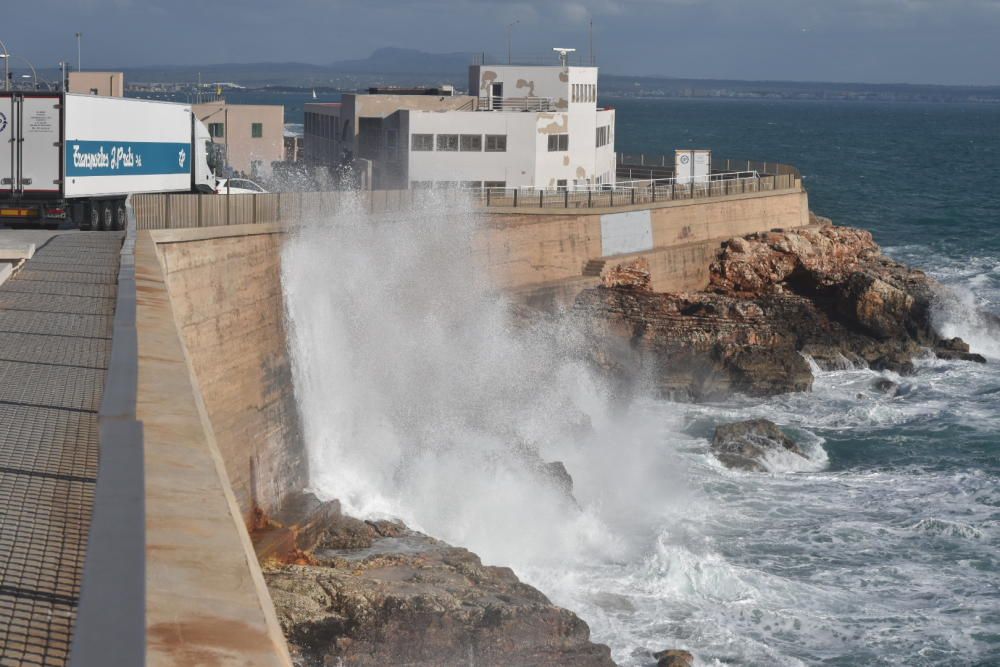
62 75
79 65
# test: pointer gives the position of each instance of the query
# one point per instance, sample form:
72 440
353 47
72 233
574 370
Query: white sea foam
418 400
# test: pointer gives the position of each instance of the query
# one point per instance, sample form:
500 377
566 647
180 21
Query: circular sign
685 159
3 122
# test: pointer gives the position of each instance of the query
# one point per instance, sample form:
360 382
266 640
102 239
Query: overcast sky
915 41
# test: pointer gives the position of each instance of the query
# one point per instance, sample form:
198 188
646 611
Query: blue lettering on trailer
126 158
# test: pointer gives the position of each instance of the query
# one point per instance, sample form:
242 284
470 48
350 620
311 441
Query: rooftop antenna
564 55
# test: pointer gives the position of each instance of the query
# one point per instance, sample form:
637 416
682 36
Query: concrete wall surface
523 248
225 289
206 600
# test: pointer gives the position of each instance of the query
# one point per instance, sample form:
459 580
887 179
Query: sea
882 547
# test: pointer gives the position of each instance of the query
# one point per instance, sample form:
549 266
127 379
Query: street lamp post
79 67
6 67
509 26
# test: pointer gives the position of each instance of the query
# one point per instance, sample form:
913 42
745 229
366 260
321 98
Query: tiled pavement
56 318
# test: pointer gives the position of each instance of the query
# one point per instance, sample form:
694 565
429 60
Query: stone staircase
594 267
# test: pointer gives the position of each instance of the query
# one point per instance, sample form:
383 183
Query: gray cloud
920 41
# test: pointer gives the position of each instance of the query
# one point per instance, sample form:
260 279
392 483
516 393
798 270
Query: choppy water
883 548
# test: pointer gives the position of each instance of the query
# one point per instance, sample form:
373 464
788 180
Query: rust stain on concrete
566 160
561 103
581 172
564 76
530 85
208 641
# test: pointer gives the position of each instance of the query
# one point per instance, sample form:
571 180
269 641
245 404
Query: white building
522 126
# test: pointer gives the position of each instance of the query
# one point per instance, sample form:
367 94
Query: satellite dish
564 55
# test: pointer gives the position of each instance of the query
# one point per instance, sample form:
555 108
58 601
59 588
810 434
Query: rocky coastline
365 593
774 300
353 592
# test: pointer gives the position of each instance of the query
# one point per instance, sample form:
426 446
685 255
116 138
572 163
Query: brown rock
674 658
823 291
420 601
633 274
743 444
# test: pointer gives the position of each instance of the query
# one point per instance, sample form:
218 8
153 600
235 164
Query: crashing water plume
421 398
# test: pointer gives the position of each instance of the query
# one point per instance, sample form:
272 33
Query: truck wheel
121 217
107 217
92 217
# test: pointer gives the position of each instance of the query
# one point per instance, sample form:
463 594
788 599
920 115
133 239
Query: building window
558 142
496 143
447 142
495 184
561 184
471 142
472 185
422 142
421 185
216 129
603 136
257 130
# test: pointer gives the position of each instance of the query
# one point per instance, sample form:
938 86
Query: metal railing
641 165
517 104
639 192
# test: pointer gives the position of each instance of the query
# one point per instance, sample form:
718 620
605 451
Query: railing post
166 211
541 199
255 209
515 197
612 197
633 196
590 198
487 197
198 199
653 187
566 198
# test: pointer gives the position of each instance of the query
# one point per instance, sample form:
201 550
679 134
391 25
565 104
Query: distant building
523 126
106 84
253 135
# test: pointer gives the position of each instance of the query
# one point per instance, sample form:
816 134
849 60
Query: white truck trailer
75 158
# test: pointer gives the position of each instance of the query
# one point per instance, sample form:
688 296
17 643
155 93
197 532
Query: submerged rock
826 292
673 658
743 445
413 600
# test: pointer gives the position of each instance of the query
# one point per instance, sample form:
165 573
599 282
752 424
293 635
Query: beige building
252 134
106 84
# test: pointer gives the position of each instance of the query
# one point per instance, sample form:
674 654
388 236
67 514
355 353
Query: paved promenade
55 342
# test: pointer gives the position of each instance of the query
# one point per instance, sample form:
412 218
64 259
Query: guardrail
639 192
640 165
517 104
158 211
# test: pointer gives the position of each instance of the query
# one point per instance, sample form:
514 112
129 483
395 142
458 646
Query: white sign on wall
624 233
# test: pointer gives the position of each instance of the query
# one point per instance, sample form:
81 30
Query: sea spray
422 399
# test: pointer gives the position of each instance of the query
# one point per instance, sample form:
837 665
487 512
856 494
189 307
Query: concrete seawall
223 444
524 250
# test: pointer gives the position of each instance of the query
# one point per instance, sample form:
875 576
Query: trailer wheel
121 217
93 217
107 217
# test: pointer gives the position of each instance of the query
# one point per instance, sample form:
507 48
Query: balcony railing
517 104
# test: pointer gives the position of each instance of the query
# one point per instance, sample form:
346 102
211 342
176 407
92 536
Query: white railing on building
517 104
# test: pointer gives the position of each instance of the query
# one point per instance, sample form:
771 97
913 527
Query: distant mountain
391 60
